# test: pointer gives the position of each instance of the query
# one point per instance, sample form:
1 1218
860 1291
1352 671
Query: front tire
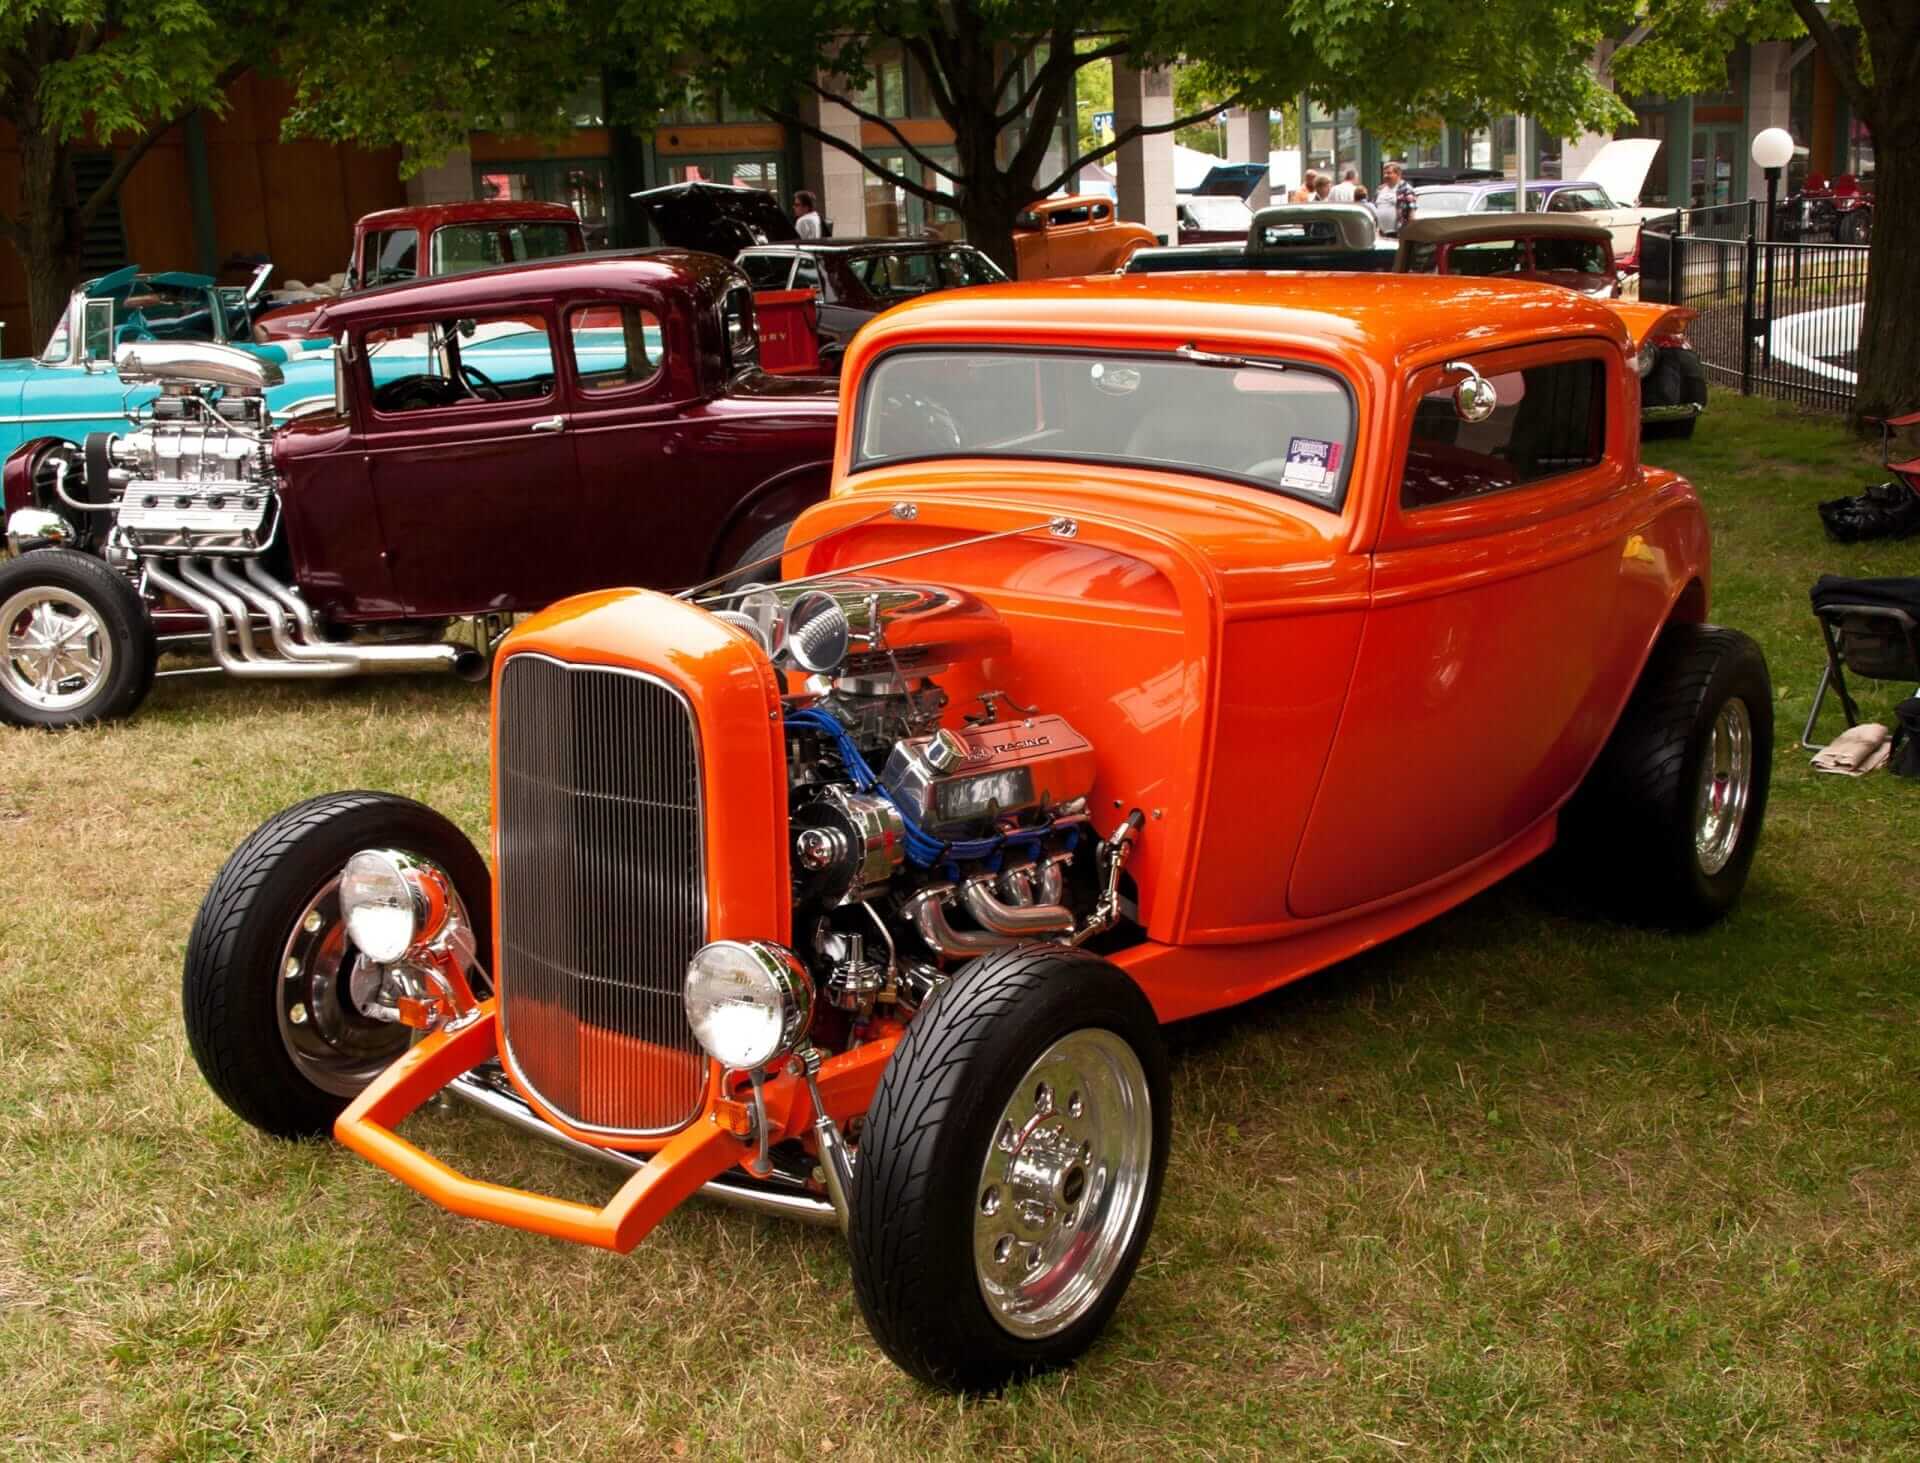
266 990
1666 824
769 543
76 645
1010 1168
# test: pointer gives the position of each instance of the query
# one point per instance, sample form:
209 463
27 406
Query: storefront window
1860 154
892 211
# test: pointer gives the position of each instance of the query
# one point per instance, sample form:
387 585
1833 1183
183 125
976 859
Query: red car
399 244
492 443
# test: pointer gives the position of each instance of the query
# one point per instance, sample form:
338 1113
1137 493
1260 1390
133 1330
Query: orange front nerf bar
703 1151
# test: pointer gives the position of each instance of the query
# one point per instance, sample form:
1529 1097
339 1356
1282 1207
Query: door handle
549 424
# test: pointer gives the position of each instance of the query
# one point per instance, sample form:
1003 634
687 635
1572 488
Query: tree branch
131 158
899 180
1014 63
1834 49
1137 130
1081 60
931 65
865 116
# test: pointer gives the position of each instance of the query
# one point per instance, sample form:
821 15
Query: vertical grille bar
602 892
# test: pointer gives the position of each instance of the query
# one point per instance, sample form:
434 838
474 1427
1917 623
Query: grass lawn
1519 1183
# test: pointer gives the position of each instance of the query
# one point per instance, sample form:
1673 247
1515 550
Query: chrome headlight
391 902
748 1001
1643 360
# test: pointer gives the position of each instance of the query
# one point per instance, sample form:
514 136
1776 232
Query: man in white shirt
806 215
1347 190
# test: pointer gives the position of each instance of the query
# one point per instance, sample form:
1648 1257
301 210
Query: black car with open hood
716 218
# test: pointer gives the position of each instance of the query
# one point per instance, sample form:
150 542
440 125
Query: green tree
1873 47
1000 73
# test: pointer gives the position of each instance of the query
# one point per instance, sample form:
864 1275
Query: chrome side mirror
1474 398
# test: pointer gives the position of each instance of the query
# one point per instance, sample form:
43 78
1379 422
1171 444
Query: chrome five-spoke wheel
1726 775
1064 1183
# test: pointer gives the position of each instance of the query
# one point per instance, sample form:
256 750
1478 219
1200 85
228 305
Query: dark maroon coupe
492 442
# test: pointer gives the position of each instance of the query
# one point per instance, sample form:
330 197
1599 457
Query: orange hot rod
1163 640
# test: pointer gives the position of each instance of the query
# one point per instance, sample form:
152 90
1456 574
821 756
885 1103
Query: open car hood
1231 180
1621 167
715 218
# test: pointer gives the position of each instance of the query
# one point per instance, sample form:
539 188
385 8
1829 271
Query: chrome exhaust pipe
223 652
1021 922
279 622
785 1201
363 657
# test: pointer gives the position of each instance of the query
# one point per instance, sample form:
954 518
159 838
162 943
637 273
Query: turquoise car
71 387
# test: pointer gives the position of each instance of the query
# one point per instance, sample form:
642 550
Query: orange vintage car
1164 639
1064 236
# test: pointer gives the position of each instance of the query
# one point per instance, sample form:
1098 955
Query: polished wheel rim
1726 776
321 983
1064 1184
58 650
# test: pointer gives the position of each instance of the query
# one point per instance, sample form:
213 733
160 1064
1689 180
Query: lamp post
1772 150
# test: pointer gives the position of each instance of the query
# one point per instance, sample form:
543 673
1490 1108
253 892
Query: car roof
1463 228
611 273
1495 185
1362 320
486 210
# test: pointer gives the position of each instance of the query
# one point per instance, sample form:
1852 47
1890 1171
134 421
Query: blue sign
1103 121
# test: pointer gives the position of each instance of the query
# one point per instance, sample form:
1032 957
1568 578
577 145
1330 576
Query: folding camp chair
1907 471
1872 628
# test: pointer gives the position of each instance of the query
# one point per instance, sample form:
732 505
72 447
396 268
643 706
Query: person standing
1304 193
1347 190
806 215
1404 201
1323 188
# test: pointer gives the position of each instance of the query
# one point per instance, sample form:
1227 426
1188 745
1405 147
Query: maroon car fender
22 466
778 500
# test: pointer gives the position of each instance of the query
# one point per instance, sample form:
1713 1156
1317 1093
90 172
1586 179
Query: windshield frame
1334 502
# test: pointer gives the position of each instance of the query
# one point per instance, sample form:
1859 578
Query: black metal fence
1777 318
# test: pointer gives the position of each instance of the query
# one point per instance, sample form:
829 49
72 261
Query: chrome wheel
322 984
1726 778
57 652
1064 1184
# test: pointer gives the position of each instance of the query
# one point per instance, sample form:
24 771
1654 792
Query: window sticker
1313 466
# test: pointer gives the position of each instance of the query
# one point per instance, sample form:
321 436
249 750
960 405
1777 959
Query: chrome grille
602 892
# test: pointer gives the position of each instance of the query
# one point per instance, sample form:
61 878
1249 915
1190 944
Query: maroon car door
471 458
644 490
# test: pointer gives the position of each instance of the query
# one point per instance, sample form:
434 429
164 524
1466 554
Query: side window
389 256
806 274
1101 212
1549 420
1498 201
466 361
1063 216
614 346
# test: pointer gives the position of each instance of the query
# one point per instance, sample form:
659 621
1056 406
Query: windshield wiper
1191 352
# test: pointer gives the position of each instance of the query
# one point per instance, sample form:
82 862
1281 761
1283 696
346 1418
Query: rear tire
76 645
1009 1168
265 990
1678 376
1665 826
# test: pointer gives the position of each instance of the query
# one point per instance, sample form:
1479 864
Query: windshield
1288 429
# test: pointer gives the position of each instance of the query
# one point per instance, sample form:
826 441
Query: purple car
1608 195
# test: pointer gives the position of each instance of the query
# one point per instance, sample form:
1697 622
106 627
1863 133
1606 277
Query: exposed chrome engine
187 505
916 846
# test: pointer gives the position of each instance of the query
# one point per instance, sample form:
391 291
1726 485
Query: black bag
1889 510
1906 739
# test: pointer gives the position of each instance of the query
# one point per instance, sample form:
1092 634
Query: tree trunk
989 224
43 233
1889 356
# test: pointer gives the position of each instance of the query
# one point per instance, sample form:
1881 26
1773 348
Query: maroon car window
1570 256
614 346
767 271
1547 420
1490 256
467 361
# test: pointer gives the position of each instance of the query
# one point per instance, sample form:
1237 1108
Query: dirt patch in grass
1519 1183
